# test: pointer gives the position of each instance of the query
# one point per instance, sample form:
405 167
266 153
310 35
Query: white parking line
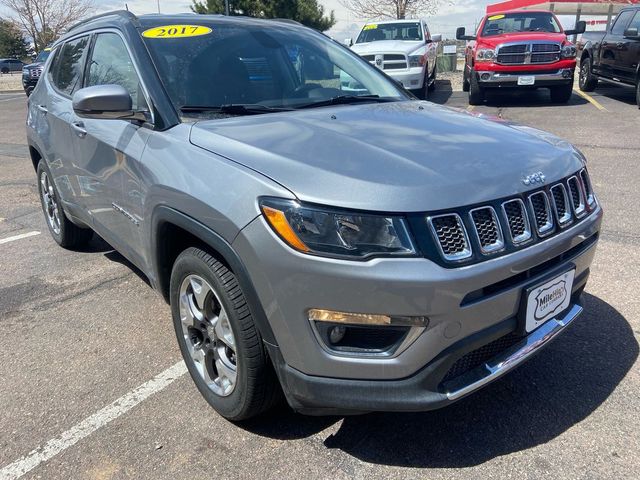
91 424
9 99
18 237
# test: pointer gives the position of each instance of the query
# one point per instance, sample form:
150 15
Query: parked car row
8 65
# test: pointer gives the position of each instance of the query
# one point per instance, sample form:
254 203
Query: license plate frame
526 80
534 310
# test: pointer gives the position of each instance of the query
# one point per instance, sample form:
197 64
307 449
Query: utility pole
226 7
158 6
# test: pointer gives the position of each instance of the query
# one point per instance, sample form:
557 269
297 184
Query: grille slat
577 198
586 183
517 219
560 203
527 53
487 229
451 236
542 213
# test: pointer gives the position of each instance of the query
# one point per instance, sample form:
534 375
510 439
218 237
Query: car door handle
42 109
620 45
78 127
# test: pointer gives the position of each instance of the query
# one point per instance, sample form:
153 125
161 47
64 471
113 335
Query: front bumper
490 78
289 283
412 79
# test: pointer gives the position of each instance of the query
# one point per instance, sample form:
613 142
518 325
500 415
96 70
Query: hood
496 40
387 46
34 65
397 157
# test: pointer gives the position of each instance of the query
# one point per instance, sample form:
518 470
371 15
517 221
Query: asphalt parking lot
92 385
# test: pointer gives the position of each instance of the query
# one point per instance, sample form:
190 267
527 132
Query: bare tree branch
46 20
371 9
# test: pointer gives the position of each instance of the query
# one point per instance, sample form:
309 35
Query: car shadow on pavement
530 406
528 98
442 92
616 92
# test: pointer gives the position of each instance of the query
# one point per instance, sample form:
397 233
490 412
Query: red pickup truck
519 49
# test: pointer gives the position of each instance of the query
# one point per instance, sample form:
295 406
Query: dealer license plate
548 300
526 80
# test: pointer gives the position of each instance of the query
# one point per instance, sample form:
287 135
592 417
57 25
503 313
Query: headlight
485 55
569 51
25 71
336 233
416 61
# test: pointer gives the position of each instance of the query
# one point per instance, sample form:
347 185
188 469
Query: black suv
31 73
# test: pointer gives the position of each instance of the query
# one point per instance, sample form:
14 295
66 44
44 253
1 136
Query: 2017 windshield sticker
373 26
496 17
176 31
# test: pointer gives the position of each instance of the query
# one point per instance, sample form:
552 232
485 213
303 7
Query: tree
307 12
12 41
390 8
46 20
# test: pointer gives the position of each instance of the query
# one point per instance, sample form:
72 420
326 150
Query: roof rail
121 13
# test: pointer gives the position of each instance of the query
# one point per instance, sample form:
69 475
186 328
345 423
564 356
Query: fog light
414 82
566 73
319 315
337 333
485 76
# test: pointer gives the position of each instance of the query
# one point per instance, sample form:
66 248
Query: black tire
638 92
64 232
255 388
587 81
561 93
465 79
423 93
5 70
432 85
476 92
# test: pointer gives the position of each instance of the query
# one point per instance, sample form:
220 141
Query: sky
450 15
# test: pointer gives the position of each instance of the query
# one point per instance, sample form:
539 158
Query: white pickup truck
404 49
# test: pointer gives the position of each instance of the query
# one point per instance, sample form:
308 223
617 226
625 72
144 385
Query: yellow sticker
373 26
176 31
496 17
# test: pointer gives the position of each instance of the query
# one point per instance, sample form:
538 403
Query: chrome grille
35 72
527 53
517 219
451 236
487 229
561 204
542 213
586 183
389 61
577 198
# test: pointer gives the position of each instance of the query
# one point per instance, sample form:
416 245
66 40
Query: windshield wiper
234 109
347 99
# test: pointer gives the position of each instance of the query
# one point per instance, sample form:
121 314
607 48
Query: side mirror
461 34
436 37
348 42
580 27
631 33
107 102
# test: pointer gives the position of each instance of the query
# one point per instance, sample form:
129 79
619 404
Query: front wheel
465 79
476 92
562 93
432 85
219 341
587 81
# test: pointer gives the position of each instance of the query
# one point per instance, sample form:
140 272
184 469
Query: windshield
43 55
374 32
262 65
520 22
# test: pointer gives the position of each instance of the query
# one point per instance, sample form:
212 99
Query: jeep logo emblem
534 178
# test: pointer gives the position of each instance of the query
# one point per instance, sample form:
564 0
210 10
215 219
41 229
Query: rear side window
66 70
621 22
635 23
111 65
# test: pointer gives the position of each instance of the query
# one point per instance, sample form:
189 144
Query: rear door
613 44
54 111
107 150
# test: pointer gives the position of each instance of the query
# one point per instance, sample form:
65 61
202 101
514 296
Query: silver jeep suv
354 252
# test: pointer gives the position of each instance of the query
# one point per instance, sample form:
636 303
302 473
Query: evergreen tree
12 41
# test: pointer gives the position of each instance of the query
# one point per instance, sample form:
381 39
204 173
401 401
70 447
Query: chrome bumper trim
510 358
501 77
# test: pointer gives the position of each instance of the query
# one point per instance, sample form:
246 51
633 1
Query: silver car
350 252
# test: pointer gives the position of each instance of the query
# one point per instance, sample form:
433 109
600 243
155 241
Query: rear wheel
476 92
587 81
64 232
562 93
219 341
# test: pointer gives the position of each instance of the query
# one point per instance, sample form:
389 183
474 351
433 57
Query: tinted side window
621 22
112 65
66 70
635 23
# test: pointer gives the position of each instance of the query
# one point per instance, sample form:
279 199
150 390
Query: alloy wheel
208 335
51 210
